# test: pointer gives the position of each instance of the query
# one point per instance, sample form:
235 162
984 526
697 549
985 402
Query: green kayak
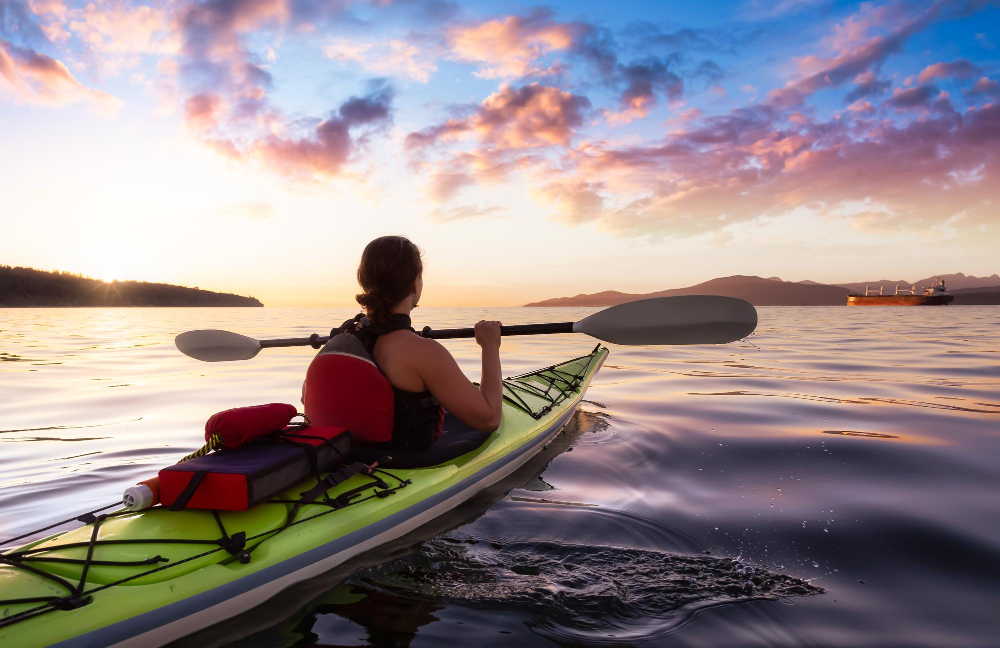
151 577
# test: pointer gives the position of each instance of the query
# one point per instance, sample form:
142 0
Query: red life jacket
346 388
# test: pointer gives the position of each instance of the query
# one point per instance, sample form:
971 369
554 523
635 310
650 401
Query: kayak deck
156 575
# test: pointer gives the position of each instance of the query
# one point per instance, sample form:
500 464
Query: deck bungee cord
551 385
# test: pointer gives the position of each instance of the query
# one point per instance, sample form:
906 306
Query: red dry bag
242 425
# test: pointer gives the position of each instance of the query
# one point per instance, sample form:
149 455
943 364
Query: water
833 481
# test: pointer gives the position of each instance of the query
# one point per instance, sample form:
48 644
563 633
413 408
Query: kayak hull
158 610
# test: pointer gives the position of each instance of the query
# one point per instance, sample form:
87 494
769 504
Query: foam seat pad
456 439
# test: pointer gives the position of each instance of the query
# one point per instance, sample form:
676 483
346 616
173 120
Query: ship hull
899 300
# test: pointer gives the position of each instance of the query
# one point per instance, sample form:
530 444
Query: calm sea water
835 480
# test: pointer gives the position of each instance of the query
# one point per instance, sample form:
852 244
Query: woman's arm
481 408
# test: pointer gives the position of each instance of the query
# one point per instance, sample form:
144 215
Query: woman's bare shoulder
414 346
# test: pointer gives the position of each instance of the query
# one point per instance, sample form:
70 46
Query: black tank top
417 416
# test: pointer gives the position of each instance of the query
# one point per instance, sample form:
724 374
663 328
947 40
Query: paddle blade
685 319
211 345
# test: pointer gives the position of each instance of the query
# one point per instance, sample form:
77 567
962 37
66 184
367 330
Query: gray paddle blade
685 319
211 345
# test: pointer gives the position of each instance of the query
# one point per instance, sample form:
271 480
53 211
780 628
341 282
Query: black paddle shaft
514 329
316 341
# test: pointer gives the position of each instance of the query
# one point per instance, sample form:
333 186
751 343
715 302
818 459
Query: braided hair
389 267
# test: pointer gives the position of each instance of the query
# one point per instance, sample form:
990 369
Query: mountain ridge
775 292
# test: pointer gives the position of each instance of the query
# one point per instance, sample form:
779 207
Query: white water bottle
143 495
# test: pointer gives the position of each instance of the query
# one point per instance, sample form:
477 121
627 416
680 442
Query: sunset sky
530 150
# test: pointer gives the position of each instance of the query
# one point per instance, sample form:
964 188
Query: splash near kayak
152 576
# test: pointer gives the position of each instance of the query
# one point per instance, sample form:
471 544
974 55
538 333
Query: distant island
775 292
27 287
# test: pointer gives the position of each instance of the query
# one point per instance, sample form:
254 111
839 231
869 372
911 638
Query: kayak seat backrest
344 388
456 439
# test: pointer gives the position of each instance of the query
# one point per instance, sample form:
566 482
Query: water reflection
843 445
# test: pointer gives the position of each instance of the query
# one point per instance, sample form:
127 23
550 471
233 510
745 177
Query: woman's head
389 273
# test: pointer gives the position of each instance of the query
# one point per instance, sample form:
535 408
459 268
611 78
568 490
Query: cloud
42 80
859 53
19 24
867 84
398 58
110 35
855 30
225 89
465 212
574 201
118 27
202 111
644 81
862 107
984 86
647 35
959 68
850 64
327 148
908 98
446 184
508 47
512 130
512 118
754 162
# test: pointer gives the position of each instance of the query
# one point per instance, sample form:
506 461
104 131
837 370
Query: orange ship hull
899 300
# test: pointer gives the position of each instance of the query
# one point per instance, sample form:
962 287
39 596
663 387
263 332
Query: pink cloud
202 112
112 33
510 131
513 118
324 151
749 164
856 29
859 53
225 92
574 201
985 86
39 79
862 107
644 82
960 68
396 57
508 47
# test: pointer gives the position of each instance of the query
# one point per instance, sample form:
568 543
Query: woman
402 404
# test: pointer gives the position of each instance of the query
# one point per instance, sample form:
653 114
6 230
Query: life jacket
345 387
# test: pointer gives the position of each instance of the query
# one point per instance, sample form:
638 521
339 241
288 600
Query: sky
530 150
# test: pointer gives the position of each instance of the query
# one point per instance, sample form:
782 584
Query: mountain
756 290
977 296
775 292
963 291
29 287
959 281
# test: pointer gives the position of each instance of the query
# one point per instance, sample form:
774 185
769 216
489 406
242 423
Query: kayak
142 578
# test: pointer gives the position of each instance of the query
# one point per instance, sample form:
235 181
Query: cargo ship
935 295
